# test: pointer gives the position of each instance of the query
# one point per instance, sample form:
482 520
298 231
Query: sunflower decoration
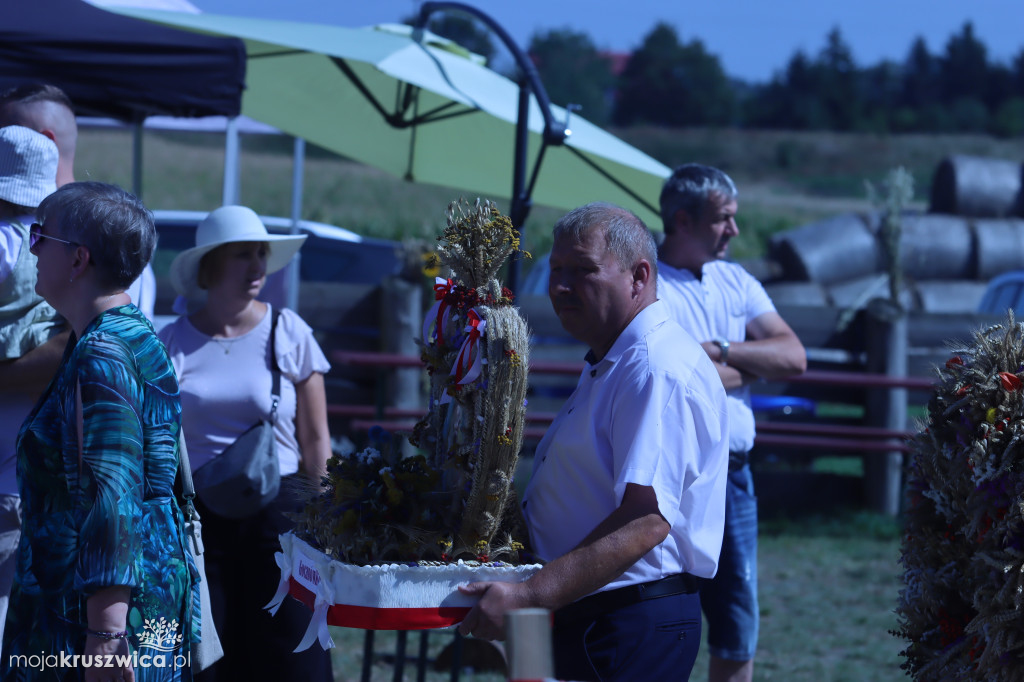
960 607
455 499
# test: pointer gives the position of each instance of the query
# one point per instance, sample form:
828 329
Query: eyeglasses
35 233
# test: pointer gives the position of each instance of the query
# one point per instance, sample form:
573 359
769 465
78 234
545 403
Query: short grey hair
626 236
113 224
30 93
689 188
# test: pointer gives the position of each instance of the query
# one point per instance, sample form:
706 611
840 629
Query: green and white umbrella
421 111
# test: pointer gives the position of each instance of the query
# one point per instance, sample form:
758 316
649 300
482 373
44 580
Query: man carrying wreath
627 499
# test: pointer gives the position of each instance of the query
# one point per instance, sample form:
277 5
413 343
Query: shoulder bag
208 650
246 477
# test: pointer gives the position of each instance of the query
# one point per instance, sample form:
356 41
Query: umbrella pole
520 207
298 164
137 159
231 151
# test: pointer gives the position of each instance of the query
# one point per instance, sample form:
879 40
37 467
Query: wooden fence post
886 331
401 323
530 656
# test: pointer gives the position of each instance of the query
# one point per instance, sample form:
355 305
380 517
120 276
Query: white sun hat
226 225
28 166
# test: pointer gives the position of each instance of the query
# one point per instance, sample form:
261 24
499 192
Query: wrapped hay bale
831 250
949 295
960 607
855 293
798 293
1000 246
976 186
937 247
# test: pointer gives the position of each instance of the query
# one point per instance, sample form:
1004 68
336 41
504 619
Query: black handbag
246 476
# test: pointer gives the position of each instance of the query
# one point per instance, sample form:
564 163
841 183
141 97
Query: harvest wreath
388 539
960 607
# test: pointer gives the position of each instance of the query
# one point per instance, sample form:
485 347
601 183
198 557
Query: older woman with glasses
102 565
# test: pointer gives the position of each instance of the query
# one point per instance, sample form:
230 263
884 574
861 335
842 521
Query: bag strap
188 493
275 372
188 489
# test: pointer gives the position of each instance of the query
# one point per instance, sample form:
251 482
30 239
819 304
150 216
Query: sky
754 39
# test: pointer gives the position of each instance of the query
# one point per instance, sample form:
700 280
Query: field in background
785 179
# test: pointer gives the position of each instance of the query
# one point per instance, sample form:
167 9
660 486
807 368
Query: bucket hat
226 225
28 166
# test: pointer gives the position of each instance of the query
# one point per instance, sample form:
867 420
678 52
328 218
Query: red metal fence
818 436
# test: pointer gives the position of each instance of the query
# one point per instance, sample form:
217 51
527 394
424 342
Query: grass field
829 583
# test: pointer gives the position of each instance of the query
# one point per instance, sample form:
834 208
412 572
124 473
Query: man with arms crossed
728 311
626 501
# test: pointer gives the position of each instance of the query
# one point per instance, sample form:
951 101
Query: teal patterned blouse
110 516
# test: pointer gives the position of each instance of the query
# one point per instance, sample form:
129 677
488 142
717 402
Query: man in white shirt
729 312
47 110
626 502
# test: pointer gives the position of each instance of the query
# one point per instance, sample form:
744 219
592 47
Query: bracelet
107 636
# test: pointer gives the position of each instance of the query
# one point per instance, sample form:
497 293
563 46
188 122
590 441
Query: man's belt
738 460
610 600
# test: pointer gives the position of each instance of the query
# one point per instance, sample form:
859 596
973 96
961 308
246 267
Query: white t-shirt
720 304
651 412
225 383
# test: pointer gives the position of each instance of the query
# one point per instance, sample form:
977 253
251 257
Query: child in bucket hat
28 170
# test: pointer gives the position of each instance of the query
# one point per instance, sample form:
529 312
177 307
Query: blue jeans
655 639
730 598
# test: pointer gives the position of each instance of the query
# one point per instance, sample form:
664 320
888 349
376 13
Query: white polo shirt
651 412
720 304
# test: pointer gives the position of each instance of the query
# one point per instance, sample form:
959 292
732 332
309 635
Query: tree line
672 83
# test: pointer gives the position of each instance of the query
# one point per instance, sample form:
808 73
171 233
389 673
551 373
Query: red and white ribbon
439 312
313 571
382 597
469 363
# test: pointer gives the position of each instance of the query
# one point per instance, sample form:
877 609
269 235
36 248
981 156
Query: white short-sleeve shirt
718 305
651 412
225 383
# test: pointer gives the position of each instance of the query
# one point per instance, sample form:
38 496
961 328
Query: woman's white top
225 383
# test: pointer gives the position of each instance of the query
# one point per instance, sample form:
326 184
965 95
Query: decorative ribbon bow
439 313
325 598
284 563
317 630
470 360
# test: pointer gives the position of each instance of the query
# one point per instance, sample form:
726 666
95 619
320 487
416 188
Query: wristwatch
723 344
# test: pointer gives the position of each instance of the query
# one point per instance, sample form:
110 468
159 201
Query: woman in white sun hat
222 355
